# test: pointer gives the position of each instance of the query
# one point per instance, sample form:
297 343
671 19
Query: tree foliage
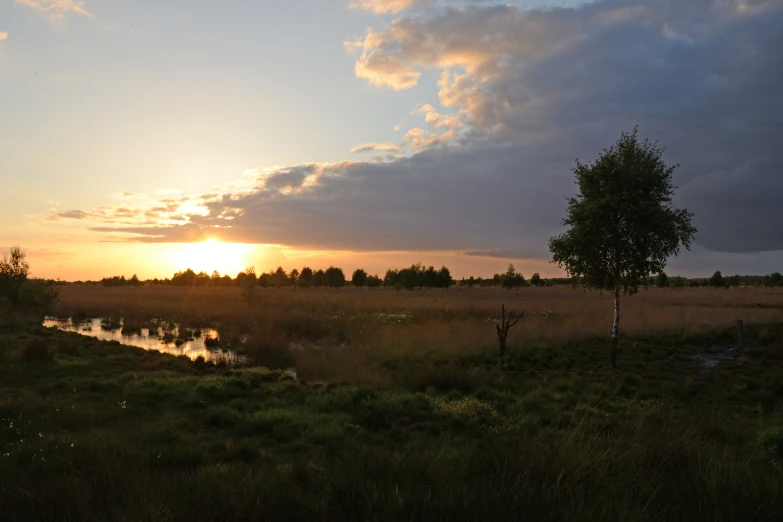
717 280
18 292
359 278
512 278
334 277
417 276
622 223
14 270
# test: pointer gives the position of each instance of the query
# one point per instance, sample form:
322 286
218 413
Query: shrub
38 295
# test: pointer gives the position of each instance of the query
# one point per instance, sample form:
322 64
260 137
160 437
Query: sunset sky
150 136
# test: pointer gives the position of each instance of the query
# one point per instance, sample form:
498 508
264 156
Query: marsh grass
427 429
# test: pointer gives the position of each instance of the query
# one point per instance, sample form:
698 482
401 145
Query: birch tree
623 225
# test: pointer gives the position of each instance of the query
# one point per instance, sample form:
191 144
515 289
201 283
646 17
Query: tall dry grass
345 333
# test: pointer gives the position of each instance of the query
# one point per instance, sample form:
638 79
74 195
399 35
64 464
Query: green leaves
623 226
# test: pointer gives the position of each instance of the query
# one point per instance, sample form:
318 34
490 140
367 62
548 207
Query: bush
38 295
37 350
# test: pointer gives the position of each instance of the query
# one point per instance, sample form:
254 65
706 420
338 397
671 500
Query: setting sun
210 255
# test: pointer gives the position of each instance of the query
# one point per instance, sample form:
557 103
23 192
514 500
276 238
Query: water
192 348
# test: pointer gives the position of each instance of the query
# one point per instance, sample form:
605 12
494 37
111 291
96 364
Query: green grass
100 431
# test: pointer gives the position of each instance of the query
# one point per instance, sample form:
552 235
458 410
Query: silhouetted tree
319 278
335 278
14 270
186 278
774 279
392 278
535 279
512 278
359 278
279 277
248 283
717 281
18 291
373 281
443 278
662 281
623 226
293 276
305 277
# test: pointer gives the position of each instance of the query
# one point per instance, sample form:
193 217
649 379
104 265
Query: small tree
774 279
334 277
535 279
279 277
717 281
662 281
502 327
14 270
373 281
248 284
20 293
623 226
512 278
444 279
359 278
305 277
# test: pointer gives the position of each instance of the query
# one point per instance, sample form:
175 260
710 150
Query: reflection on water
192 347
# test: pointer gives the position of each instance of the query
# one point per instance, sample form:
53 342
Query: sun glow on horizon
210 255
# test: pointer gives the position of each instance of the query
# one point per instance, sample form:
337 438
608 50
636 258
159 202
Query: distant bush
20 293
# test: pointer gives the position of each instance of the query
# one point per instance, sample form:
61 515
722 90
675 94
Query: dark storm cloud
536 89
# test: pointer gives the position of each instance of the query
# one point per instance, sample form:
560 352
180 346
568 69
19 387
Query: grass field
400 411
349 335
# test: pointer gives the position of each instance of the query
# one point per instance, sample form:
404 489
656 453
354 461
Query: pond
192 344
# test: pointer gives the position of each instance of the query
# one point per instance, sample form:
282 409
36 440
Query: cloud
57 10
500 254
521 94
70 214
367 147
388 6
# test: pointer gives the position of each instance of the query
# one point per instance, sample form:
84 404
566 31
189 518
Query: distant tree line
417 277
121 281
717 280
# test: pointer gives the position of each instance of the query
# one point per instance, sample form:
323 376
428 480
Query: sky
147 137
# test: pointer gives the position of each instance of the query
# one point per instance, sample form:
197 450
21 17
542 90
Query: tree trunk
616 325
501 346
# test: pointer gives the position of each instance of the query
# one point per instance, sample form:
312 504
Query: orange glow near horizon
210 255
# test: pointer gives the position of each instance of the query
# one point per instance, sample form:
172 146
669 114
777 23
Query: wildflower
40 435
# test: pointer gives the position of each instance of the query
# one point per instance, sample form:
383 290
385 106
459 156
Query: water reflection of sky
191 348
